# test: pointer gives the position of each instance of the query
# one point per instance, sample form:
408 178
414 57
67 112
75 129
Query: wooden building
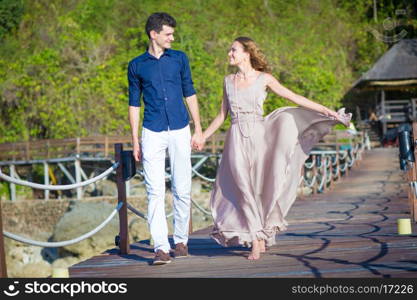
389 88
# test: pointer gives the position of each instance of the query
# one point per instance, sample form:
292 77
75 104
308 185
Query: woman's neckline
250 85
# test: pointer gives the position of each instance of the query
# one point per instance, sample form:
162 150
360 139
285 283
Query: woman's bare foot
256 251
262 246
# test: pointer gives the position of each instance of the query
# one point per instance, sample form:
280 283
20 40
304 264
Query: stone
82 218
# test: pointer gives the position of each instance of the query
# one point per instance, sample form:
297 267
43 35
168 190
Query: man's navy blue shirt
163 82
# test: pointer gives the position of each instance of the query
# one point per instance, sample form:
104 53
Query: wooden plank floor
350 231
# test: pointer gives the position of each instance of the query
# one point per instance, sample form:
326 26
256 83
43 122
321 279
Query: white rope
64 243
329 177
323 179
335 161
323 172
313 180
351 160
328 161
344 156
203 177
135 211
311 165
194 169
343 169
337 174
58 187
141 214
201 208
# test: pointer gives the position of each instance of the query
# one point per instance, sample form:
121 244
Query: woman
262 158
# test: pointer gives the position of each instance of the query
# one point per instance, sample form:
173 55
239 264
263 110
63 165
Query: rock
25 260
66 262
82 218
106 187
137 188
195 187
138 230
304 191
39 269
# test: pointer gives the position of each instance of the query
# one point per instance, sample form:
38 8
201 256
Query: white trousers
154 146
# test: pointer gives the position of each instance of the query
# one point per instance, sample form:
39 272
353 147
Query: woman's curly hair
257 58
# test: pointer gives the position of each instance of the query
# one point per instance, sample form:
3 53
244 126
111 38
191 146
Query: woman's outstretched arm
219 119
282 91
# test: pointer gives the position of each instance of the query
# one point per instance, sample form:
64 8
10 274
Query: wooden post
3 269
12 185
27 150
213 143
46 179
314 174
121 196
346 160
78 146
48 146
384 113
78 177
106 146
331 172
339 173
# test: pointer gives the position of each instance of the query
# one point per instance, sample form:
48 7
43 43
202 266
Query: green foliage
10 15
63 70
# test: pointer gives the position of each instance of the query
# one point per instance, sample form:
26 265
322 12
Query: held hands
198 141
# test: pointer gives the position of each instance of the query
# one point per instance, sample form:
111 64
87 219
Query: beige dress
261 164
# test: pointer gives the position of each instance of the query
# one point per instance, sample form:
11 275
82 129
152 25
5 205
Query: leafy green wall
63 62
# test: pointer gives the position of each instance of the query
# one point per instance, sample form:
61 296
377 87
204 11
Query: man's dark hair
157 20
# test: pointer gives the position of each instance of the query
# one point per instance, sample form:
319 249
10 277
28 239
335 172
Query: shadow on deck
350 231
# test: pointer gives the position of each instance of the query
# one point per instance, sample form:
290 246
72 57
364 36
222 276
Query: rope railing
68 242
143 215
325 166
58 187
310 165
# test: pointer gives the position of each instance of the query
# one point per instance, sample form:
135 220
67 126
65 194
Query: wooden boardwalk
350 231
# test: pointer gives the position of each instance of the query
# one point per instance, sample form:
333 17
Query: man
163 76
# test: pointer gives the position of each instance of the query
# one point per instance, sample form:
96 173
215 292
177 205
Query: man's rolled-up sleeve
186 79
135 90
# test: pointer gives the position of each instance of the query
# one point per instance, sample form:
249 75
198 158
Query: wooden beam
121 196
77 164
3 269
46 179
12 185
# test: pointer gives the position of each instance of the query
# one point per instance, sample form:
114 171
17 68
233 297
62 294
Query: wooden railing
397 111
334 147
102 146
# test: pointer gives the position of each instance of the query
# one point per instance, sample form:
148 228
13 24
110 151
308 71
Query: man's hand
137 154
198 141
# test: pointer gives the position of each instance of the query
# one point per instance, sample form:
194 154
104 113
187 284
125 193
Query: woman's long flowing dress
261 164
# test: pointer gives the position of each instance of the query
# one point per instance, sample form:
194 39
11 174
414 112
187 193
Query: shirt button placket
163 89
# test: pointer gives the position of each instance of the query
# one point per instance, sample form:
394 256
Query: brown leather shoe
161 258
181 250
